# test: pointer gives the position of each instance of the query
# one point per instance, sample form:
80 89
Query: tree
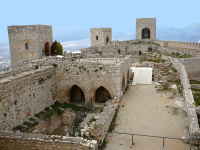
59 48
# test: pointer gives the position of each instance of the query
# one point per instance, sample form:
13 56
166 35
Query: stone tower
100 36
29 42
146 28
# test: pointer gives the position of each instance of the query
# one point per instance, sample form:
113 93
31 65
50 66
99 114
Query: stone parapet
190 104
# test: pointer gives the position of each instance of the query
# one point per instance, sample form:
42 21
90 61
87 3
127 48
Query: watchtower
100 36
29 42
146 28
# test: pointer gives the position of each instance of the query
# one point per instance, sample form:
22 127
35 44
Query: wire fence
79 117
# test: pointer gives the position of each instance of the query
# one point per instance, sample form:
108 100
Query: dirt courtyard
145 111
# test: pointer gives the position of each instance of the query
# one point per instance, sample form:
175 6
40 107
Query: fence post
132 139
163 142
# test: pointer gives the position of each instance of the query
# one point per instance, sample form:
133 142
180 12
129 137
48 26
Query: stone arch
54 48
101 93
145 33
123 83
76 94
47 49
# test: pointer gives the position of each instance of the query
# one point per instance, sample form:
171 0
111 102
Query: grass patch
196 98
194 82
113 122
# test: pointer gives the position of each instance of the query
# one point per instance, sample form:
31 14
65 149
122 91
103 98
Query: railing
79 117
102 144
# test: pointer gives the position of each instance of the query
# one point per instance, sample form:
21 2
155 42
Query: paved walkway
148 112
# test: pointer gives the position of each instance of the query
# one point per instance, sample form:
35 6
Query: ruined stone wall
103 122
89 76
102 34
192 66
18 141
35 35
189 100
149 23
25 94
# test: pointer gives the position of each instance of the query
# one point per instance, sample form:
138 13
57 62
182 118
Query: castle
38 78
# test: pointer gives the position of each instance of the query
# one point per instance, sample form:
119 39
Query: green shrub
19 127
55 65
47 109
59 111
119 51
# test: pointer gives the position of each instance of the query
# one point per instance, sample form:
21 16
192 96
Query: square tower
29 42
100 36
146 28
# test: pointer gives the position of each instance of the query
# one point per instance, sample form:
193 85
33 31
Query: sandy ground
148 112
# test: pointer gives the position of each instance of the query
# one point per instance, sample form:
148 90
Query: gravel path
148 112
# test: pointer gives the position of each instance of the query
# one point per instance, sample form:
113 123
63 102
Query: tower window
96 37
26 46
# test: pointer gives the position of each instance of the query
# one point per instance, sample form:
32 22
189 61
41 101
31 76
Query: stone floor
145 111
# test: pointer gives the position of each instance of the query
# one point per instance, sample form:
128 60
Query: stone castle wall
189 100
89 76
35 35
18 141
25 94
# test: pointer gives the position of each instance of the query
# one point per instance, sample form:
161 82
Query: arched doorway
76 95
47 49
146 33
101 95
107 39
140 53
123 83
54 49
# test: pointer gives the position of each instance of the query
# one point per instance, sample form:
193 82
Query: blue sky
120 15
85 14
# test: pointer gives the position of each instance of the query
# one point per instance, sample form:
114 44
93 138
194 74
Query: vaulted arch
76 94
101 94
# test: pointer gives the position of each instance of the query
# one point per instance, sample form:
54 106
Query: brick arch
93 92
67 91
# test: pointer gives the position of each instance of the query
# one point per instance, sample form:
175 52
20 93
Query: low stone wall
103 122
190 104
47 127
18 141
